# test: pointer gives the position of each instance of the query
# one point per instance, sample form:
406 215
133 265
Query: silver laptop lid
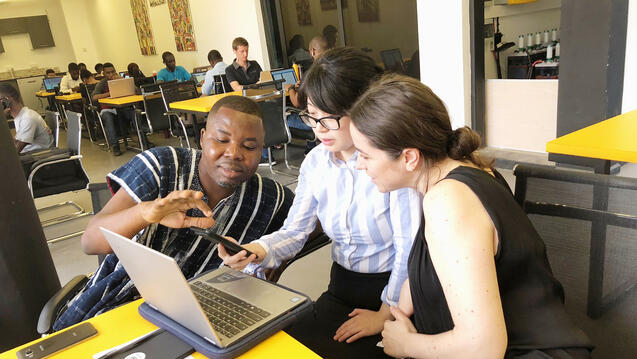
161 283
121 87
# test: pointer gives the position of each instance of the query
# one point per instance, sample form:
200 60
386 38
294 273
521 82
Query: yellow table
70 97
44 94
124 323
122 101
613 139
200 105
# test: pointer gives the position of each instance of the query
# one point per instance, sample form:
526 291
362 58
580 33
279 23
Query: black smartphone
231 247
161 345
56 342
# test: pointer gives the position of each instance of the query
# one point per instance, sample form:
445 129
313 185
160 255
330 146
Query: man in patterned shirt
163 191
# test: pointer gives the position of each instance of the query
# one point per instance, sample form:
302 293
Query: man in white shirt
218 68
71 81
31 132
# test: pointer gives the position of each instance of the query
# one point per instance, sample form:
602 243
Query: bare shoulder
448 194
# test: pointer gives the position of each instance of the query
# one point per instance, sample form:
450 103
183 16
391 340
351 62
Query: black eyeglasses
329 122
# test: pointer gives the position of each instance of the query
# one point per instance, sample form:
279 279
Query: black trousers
347 290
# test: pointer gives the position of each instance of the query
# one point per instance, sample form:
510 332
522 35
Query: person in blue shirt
371 232
172 71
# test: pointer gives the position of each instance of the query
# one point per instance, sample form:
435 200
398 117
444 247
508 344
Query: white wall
445 60
81 30
629 101
18 51
113 30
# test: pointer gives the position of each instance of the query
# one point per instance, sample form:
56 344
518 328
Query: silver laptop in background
221 306
121 87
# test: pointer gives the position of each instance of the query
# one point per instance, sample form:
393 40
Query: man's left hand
363 323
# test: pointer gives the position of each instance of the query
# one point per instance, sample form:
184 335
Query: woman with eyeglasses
480 284
371 232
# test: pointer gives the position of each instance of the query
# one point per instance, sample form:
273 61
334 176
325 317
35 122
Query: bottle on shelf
557 52
549 53
546 38
554 36
529 42
520 49
538 40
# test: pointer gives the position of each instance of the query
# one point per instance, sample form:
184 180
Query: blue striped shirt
372 232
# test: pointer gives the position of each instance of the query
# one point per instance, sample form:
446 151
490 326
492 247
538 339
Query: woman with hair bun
479 282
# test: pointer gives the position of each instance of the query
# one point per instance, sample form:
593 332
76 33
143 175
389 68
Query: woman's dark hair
337 78
214 56
399 112
99 67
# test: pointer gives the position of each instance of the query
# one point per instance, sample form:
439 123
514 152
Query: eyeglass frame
304 113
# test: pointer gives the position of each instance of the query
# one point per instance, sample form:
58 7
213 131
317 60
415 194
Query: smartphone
231 247
56 342
161 345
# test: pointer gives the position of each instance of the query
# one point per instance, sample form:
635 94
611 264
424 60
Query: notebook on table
221 313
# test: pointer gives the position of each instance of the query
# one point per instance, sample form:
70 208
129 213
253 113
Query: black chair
54 307
173 92
94 124
152 118
52 120
589 225
60 171
221 84
273 107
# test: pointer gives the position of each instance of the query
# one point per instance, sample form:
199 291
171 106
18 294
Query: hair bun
462 142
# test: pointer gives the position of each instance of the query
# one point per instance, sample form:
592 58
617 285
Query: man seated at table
172 72
116 121
87 77
242 71
163 191
71 81
218 68
31 132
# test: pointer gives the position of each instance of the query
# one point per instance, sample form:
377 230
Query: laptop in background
265 76
222 306
199 77
50 83
121 87
287 75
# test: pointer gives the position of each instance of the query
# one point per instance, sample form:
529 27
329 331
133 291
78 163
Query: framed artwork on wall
182 25
142 25
367 10
331 4
157 2
303 12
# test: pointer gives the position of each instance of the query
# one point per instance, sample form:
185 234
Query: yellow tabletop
613 139
124 324
201 104
121 101
44 94
70 97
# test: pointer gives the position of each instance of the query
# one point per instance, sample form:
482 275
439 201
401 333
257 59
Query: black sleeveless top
532 299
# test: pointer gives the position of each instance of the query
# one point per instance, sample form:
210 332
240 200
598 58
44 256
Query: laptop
222 306
199 77
50 83
288 75
265 76
121 87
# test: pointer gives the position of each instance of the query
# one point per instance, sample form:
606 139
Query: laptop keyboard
228 314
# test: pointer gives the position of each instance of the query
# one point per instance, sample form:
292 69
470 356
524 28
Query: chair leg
285 158
80 212
183 128
275 171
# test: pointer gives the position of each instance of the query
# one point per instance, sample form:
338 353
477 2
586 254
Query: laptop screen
288 75
199 76
50 83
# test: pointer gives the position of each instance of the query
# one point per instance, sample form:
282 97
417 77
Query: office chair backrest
73 133
221 84
592 252
86 91
149 88
52 121
177 91
273 110
155 112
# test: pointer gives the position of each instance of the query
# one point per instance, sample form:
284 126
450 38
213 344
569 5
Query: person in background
71 81
298 53
82 66
116 121
134 71
31 132
330 33
242 71
218 68
98 69
318 45
479 284
50 73
87 77
172 72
